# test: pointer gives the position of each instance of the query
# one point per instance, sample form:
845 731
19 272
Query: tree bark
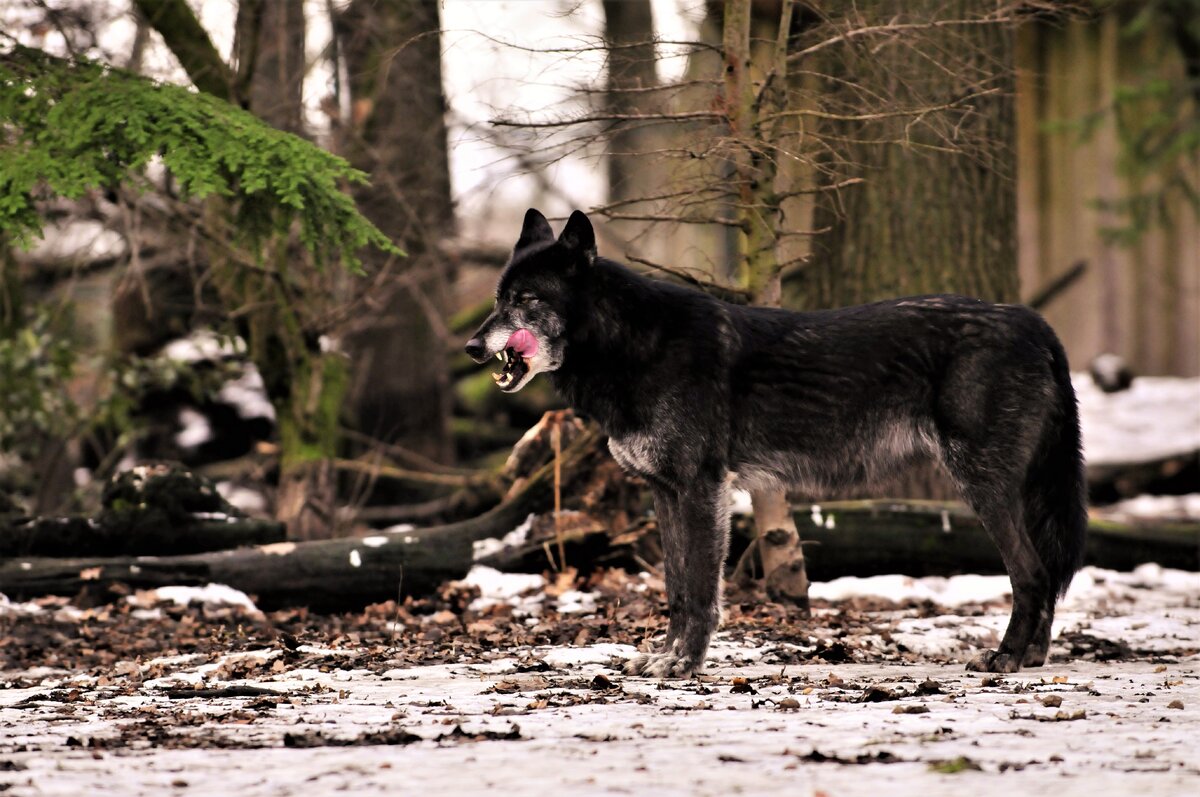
12 315
276 65
936 209
944 538
309 396
186 38
923 220
629 35
401 391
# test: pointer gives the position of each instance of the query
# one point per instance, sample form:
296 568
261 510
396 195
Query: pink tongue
523 342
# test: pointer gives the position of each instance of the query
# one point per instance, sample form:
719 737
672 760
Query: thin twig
674 218
556 443
405 474
876 30
871 117
662 118
721 289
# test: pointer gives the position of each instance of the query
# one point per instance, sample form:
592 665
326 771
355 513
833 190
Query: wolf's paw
1034 656
994 661
663 665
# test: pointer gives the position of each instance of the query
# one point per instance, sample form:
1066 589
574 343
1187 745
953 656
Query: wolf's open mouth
514 370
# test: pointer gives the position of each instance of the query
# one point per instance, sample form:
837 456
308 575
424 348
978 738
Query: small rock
877 694
742 687
601 682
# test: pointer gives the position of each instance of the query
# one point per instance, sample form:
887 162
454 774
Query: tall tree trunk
397 134
936 210
629 35
276 65
308 401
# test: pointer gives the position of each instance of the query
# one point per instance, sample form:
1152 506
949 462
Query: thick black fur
695 392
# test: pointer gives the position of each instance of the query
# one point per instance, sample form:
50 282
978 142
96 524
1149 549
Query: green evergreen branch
71 126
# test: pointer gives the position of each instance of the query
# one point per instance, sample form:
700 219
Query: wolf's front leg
694 527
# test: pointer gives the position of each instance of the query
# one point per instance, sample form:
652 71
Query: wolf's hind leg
1039 645
695 535
993 492
1030 609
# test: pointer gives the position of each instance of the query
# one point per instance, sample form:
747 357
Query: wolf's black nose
475 350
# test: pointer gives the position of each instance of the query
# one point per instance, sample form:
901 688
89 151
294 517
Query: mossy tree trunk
308 402
11 292
275 302
754 129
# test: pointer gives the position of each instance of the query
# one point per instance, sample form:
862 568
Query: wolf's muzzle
476 350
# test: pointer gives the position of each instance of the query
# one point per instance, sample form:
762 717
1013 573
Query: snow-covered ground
564 720
1156 418
578 728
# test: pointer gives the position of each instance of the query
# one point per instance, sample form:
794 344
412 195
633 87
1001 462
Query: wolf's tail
1056 486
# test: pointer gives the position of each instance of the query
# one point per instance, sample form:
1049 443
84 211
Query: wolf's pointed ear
578 236
535 229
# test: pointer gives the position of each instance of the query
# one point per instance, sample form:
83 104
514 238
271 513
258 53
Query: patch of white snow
511 588
486 547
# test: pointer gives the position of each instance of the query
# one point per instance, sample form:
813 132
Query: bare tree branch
895 29
657 118
187 39
674 218
872 117
703 281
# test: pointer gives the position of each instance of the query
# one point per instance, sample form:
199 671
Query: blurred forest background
183 281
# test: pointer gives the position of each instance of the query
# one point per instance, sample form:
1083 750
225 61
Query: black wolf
695 392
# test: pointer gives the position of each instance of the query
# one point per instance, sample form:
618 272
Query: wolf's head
528 327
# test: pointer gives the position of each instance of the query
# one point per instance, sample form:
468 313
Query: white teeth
499 356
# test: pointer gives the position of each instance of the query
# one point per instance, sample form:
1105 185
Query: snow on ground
565 720
1156 418
1156 507
839 730
511 588
209 595
490 545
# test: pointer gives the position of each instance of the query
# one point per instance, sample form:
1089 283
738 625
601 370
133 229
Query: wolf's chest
636 453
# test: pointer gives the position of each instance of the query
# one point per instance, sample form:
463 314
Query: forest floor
482 689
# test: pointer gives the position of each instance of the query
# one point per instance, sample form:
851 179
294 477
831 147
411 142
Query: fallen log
877 537
76 536
325 575
160 509
861 538
927 538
